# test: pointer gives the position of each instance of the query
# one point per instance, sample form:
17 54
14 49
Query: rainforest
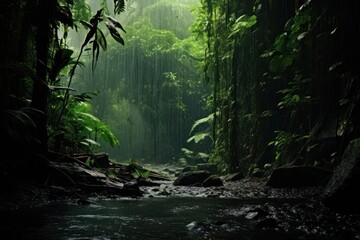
179 119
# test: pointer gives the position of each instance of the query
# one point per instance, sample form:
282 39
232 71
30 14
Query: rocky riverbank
71 179
82 177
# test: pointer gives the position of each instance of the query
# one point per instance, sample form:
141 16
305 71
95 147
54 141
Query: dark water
170 218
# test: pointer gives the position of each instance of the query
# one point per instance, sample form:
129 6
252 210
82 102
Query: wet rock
256 213
298 177
267 223
191 225
67 174
251 215
258 173
189 168
147 182
130 189
96 183
84 201
234 177
169 171
192 178
212 181
132 184
341 191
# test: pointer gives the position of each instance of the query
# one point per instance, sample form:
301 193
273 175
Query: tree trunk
234 119
46 10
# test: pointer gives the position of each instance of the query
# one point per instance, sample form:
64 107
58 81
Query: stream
179 218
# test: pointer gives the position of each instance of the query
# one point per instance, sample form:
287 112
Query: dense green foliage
151 89
39 111
283 78
253 82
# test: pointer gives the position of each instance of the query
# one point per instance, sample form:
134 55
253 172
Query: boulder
234 177
195 178
299 177
87 180
189 168
257 173
341 193
212 181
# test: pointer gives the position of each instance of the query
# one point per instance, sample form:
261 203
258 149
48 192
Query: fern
209 119
199 137
119 6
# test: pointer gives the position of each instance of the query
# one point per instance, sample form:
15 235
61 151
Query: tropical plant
72 127
152 89
137 169
225 29
79 130
201 135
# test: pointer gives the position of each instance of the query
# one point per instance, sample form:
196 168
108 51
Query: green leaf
295 98
119 6
88 116
246 21
53 88
118 38
334 66
198 137
105 134
280 42
100 38
266 113
207 119
343 101
86 24
115 22
90 142
267 54
89 35
115 34
301 36
62 59
275 64
187 152
242 23
96 51
287 61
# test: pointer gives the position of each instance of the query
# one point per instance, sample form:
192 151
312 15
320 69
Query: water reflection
171 218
